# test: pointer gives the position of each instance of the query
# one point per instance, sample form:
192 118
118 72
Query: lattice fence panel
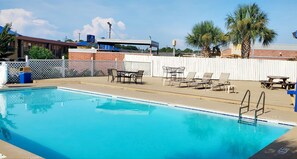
13 71
100 67
78 68
45 69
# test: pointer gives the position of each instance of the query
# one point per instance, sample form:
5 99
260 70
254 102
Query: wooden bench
265 84
269 84
290 85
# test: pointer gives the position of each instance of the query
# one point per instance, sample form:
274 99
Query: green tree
247 24
5 41
37 52
68 40
188 50
205 35
166 49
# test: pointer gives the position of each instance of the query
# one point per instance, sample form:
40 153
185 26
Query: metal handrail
248 92
262 96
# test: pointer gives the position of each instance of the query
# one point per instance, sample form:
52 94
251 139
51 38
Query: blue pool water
56 123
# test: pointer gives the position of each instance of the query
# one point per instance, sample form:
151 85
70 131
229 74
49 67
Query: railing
262 96
247 107
247 93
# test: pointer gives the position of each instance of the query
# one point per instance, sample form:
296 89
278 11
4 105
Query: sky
162 20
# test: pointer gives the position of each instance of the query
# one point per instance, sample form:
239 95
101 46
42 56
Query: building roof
257 46
32 39
10 32
85 43
131 42
292 47
82 43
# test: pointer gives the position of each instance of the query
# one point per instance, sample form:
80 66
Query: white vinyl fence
239 69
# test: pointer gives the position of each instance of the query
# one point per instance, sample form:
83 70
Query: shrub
37 52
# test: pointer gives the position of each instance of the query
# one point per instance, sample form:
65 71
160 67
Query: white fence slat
239 69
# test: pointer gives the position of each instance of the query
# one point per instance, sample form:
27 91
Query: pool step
248 118
248 121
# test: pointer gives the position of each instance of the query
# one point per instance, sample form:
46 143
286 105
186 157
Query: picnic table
281 80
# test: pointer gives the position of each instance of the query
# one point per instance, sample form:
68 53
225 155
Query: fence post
116 63
92 67
152 67
63 66
27 60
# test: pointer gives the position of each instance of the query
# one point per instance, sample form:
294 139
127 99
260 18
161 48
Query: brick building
88 54
23 44
273 51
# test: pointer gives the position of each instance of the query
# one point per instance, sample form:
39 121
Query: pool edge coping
292 125
282 123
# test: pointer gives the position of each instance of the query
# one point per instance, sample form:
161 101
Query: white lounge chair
188 80
205 81
223 81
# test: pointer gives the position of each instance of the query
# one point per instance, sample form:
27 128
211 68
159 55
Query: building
258 51
107 51
23 44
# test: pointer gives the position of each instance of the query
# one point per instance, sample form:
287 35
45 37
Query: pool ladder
247 107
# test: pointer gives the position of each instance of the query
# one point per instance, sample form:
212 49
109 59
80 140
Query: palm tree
5 40
205 35
247 24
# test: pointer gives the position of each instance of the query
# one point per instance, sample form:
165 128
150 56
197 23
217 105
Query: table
126 74
174 72
282 81
230 87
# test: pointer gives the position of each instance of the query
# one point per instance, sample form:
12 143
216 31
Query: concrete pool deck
278 106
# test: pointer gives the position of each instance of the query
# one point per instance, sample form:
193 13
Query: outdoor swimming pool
58 123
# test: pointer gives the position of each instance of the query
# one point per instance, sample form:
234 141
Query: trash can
25 75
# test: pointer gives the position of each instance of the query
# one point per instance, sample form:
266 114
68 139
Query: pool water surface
57 123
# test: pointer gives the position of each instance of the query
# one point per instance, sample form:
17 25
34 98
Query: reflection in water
3 106
199 128
231 137
40 100
35 101
125 108
237 147
4 121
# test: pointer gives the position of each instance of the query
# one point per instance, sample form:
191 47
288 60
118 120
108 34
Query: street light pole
174 44
109 32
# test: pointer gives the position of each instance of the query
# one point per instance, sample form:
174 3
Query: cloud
100 28
25 23
121 25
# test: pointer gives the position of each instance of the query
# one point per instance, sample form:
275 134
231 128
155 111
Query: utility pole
78 37
109 32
